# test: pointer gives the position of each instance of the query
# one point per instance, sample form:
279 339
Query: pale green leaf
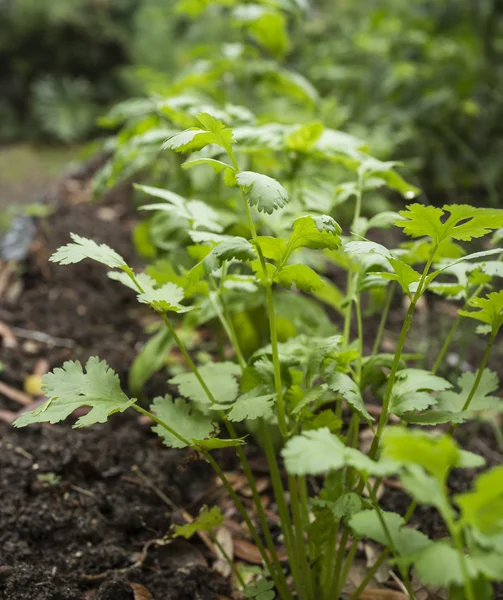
165 298
318 232
272 247
249 406
405 540
220 379
319 451
482 508
83 248
262 191
344 385
409 390
69 388
304 137
188 422
302 276
491 310
206 521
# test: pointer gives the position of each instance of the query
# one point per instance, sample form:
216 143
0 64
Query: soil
75 519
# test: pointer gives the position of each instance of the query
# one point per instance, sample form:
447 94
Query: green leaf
405 540
438 564
425 489
437 454
213 132
217 165
324 419
304 137
408 391
464 222
237 248
303 276
318 233
188 422
69 388
216 443
406 276
197 213
491 309
344 507
453 402
249 406
272 247
83 248
220 379
149 359
319 451
344 385
264 192
206 521
266 25
164 299
482 508
263 589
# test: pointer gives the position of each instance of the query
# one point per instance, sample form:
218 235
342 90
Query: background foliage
416 79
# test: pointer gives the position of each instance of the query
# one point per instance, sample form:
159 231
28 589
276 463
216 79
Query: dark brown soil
74 518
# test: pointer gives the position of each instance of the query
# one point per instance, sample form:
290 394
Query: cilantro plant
301 396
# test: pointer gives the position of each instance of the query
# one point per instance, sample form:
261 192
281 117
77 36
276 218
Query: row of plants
262 231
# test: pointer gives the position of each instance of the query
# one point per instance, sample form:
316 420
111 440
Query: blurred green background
417 79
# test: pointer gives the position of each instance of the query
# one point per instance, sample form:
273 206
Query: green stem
284 515
156 419
228 327
383 419
301 554
360 339
370 574
480 372
384 318
327 570
280 585
337 581
229 560
447 343
347 565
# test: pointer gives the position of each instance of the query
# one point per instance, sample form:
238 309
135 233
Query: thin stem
239 451
279 494
327 570
383 419
337 582
447 343
280 585
348 564
299 537
384 318
156 419
227 325
370 574
480 372
229 560
360 339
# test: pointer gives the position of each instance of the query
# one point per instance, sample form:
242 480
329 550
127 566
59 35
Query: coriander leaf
438 564
213 132
249 406
408 391
491 309
319 451
406 540
271 247
264 192
319 232
83 248
344 507
482 508
310 396
236 247
206 521
406 276
343 384
188 422
303 276
164 299
437 454
453 402
425 488
220 379
364 247
217 165
144 280
215 443
69 388
464 222
304 137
